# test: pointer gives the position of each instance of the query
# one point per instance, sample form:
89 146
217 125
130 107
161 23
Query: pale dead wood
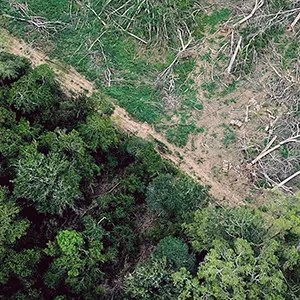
269 144
295 21
282 183
131 34
38 22
96 40
238 47
247 114
264 153
93 11
257 6
179 54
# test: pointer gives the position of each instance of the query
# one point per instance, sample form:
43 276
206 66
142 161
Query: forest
149 149
88 212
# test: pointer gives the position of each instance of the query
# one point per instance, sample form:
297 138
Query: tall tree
50 181
175 197
78 259
235 273
12 67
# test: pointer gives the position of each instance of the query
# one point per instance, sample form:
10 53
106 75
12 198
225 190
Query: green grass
84 42
229 135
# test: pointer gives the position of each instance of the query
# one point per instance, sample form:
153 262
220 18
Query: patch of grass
229 89
229 135
228 101
212 20
179 136
142 102
257 45
210 87
292 53
284 151
206 56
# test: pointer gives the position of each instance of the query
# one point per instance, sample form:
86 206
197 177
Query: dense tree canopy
87 212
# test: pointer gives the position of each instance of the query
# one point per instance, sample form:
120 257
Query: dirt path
183 158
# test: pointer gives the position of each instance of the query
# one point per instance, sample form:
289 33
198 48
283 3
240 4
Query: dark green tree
12 67
175 196
176 253
12 227
78 258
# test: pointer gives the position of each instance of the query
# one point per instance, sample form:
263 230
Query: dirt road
182 157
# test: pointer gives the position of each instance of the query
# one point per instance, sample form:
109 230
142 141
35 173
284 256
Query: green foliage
142 101
73 147
118 207
76 261
52 154
34 92
209 87
151 280
176 253
69 242
147 159
291 54
132 68
174 197
14 135
98 133
229 135
23 264
235 273
180 135
226 224
12 227
257 44
50 181
12 67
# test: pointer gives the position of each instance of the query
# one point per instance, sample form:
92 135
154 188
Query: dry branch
264 153
179 54
282 183
131 34
295 21
257 6
238 47
38 22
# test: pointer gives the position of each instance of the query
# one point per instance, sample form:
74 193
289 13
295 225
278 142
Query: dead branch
264 153
131 34
93 11
238 47
295 21
282 183
38 22
179 54
257 6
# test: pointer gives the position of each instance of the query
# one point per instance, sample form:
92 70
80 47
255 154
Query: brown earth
231 188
